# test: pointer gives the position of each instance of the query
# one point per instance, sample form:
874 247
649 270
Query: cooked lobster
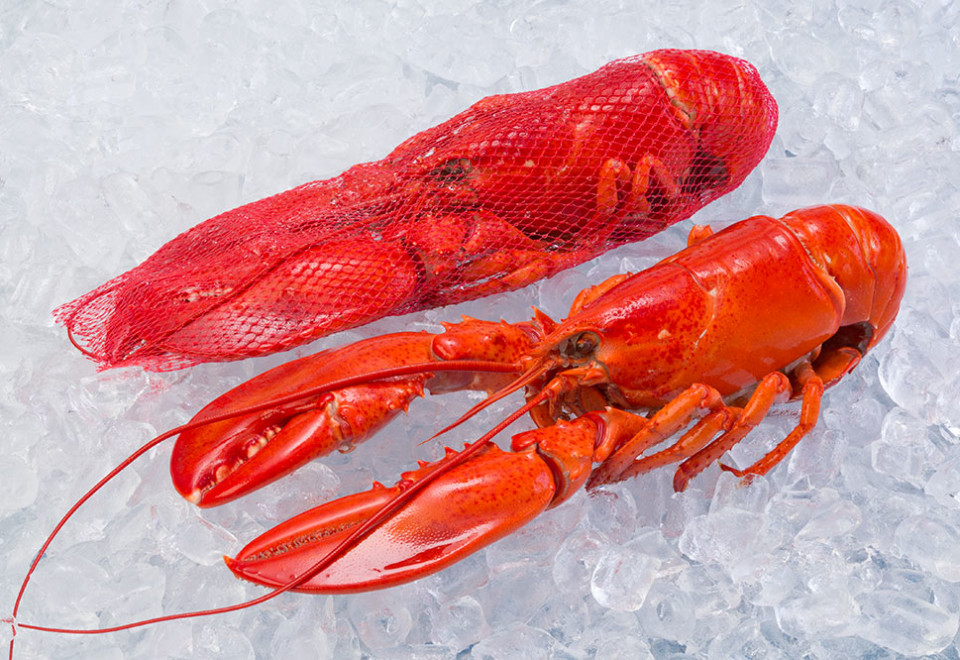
702 344
509 191
705 342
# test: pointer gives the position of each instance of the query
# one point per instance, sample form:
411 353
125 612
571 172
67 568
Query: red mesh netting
509 191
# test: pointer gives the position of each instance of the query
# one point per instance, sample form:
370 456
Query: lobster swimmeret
509 191
707 340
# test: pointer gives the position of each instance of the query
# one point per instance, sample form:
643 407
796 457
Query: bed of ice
125 123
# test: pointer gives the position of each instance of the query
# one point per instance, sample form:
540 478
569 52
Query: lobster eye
584 344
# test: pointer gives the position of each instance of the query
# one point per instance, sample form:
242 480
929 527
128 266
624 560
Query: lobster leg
697 445
689 443
773 388
332 401
620 189
622 460
478 254
830 366
698 233
812 392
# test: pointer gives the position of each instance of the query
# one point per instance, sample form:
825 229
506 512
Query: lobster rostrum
507 192
700 345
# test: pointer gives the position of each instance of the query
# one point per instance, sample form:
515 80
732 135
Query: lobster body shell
509 191
707 340
721 298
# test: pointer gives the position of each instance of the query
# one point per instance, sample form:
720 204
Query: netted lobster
509 191
707 340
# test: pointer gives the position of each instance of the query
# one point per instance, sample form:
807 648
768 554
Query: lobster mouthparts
474 504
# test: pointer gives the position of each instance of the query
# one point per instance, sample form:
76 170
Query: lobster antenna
403 370
450 365
72 510
522 381
375 521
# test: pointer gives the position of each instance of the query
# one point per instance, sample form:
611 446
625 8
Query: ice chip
19 487
577 558
907 375
931 544
666 611
624 647
839 99
461 623
515 642
841 517
380 619
622 579
905 623
725 537
826 612
905 450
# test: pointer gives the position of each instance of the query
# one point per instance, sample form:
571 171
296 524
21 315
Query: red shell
509 191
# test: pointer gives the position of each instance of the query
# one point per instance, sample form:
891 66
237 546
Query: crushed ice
125 124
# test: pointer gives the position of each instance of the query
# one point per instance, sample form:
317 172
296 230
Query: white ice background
124 123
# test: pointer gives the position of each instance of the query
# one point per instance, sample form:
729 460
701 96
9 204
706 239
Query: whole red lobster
705 342
509 191
708 340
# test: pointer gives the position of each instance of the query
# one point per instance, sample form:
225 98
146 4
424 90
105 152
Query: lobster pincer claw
221 461
332 401
479 501
472 503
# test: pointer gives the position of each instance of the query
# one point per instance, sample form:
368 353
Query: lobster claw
477 502
334 400
214 463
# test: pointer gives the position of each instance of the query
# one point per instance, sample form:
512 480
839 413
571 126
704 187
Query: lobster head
607 348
